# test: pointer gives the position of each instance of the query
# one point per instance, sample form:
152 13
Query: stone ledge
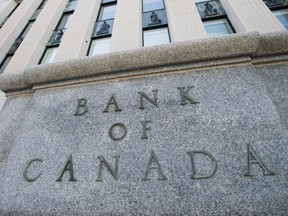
210 49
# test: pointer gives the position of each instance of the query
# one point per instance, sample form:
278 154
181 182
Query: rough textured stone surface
205 50
231 47
11 117
236 107
275 79
272 43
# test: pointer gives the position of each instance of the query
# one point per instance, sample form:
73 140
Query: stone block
207 142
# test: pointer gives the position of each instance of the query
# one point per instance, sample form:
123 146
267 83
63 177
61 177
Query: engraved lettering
145 129
143 95
112 135
112 101
253 158
25 174
154 164
81 107
194 171
114 172
68 168
185 98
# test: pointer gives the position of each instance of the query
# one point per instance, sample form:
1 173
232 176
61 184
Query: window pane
65 21
100 46
42 4
5 63
282 16
107 12
49 55
156 36
217 27
106 1
150 5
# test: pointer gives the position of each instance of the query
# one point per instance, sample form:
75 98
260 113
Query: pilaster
251 15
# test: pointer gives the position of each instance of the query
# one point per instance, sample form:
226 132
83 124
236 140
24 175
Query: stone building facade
143 107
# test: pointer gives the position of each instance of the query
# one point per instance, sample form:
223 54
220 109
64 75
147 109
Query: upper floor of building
45 31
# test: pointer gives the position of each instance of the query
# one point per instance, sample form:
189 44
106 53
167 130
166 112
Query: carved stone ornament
154 19
104 28
210 10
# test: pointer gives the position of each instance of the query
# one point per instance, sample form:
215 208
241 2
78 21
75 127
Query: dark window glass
42 4
27 28
108 1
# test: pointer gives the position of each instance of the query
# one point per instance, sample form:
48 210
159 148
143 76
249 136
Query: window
65 21
56 37
154 23
217 27
49 55
42 4
279 9
107 12
282 16
101 36
5 63
108 1
214 18
151 5
100 46
156 36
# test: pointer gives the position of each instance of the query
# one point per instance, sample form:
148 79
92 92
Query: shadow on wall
2 99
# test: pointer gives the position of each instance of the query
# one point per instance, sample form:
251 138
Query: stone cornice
202 53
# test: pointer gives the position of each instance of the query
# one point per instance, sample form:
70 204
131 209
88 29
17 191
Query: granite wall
192 128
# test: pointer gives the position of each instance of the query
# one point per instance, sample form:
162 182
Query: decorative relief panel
275 3
56 37
103 28
210 9
154 18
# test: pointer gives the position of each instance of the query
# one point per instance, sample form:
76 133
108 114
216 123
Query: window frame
70 13
44 53
100 9
164 7
156 26
98 38
152 28
103 4
278 8
219 18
